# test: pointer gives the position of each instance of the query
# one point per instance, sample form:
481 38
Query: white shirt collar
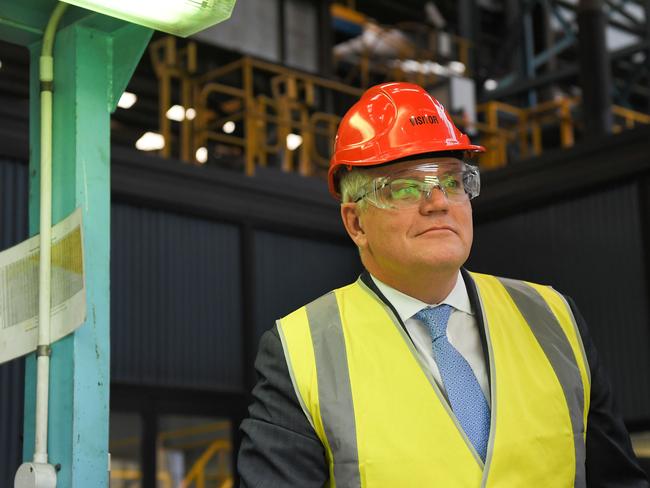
407 306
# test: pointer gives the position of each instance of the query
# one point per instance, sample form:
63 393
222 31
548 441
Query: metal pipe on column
595 69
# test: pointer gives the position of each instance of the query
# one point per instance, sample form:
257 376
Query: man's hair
353 183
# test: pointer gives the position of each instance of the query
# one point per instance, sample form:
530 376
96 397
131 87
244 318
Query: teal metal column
94 57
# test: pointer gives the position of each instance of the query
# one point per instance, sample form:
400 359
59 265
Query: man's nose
436 202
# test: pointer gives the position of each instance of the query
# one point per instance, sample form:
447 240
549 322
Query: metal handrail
135 475
293 107
197 473
526 125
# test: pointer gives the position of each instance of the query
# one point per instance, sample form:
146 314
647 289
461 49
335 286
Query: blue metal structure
94 57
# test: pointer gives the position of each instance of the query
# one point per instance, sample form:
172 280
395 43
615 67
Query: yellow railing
289 108
289 103
173 63
624 118
265 104
196 476
163 477
497 131
504 126
185 439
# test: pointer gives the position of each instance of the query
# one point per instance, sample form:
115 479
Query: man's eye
451 182
400 190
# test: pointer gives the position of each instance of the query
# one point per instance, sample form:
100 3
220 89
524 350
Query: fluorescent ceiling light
438 69
490 84
178 17
411 66
456 67
150 141
176 112
229 127
293 141
202 154
127 100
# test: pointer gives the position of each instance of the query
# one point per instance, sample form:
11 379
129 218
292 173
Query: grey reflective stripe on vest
334 391
554 343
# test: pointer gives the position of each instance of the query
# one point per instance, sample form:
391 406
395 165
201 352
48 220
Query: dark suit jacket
280 448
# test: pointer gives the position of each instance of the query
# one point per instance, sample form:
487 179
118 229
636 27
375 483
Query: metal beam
553 51
555 48
24 22
507 57
94 56
613 22
620 9
521 86
469 28
528 51
595 71
514 87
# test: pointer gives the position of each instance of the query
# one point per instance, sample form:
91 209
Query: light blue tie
464 393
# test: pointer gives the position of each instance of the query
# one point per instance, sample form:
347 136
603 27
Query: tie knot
435 319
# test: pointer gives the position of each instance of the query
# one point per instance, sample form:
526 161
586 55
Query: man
422 373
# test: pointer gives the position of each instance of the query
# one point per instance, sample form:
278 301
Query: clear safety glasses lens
408 188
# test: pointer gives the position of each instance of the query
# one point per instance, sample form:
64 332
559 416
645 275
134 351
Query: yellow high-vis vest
384 421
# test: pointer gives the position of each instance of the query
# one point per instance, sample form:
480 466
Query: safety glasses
406 188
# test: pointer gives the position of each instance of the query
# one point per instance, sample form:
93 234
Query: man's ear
351 216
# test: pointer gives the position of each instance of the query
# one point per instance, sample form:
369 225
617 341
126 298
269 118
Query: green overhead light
179 17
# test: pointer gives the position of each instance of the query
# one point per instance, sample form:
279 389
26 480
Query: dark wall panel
13 229
175 300
591 249
292 271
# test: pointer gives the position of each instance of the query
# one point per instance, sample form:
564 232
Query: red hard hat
392 121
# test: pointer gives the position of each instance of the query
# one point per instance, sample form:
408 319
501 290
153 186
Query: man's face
431 236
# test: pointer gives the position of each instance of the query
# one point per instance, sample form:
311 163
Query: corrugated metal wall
292 271
13 229
301 34
176 294
591 249
252 29
175 300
